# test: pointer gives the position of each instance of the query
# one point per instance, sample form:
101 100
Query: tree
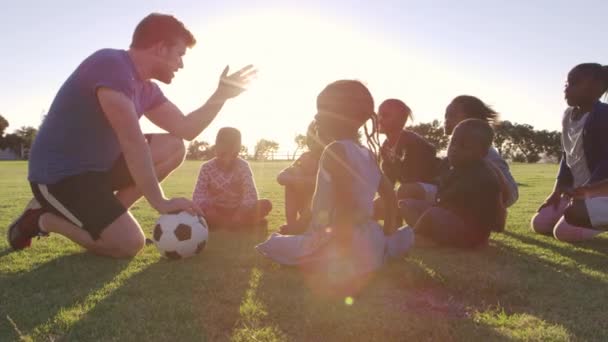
20 141
264 149
28 134
13 142
433 132
527 143
244 152
3 125
502 139
551 143
197 150
300 141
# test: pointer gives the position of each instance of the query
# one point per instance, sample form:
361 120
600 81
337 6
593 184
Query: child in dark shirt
469 204
406 156
299 180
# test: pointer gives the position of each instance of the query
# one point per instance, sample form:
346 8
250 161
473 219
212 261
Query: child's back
471 192
318 244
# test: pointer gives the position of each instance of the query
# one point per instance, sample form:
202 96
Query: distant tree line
20 141
202 150
515 142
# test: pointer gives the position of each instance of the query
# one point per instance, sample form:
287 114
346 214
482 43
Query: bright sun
297 55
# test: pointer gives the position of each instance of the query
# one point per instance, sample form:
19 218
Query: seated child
469 202
225 190
576 210
343 241
461 108
406 156
299 181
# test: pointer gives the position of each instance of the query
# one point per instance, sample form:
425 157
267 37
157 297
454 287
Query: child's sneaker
24 228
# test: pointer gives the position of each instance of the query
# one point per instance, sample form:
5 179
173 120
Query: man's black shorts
88 199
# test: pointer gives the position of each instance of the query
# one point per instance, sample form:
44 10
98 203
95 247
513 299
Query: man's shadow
190 299
524 281
31 298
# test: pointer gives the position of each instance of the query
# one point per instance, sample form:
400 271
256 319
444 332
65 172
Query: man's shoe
24 228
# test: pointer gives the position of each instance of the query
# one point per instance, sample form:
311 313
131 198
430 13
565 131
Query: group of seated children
455 201
331 207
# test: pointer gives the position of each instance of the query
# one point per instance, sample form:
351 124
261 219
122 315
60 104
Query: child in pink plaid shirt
225 189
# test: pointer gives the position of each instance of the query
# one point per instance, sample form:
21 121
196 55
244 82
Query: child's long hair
597 72
474 108
352 103
403 108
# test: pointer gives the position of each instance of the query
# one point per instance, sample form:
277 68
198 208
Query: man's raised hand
234 84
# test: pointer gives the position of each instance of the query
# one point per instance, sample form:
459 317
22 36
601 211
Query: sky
514 55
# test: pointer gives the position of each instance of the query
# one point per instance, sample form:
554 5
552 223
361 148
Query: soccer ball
181 235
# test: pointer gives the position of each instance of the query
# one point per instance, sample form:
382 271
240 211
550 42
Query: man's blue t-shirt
75 136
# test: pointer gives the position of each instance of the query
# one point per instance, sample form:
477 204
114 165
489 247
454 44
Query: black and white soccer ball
181 235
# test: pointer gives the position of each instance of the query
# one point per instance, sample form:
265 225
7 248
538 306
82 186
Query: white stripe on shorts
57 205
598 215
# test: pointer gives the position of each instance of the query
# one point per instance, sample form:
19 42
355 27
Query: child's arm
502 183
200 196
387 194
299 172
249 191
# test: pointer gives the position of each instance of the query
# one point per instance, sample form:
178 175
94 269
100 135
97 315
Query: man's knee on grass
129 246
541 223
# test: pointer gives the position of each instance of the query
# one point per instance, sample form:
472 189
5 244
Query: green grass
521 287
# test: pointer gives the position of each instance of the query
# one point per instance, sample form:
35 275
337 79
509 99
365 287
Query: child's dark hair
352 102
228 137
474 108
403 108
597 72
479 130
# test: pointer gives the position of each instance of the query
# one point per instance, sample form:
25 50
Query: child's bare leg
291 205
576 225
255 214
411 210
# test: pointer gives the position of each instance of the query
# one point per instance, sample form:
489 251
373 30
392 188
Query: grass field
521 287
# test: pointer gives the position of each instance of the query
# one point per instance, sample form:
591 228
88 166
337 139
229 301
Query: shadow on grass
297 306
32 298
577 252
5 252
229 291
191 299
564 293
544 298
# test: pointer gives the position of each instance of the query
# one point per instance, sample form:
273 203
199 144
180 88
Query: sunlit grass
521 287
